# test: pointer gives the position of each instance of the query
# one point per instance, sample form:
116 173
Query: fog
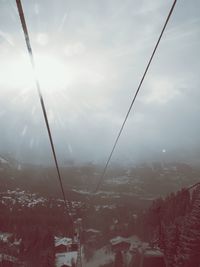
90 56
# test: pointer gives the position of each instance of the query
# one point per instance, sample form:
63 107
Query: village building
149 257
67 259
4 237
66 252
62 244
120 244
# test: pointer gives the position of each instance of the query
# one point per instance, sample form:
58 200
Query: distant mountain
4 163
7 162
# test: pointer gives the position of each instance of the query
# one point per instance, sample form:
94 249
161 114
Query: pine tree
118 259
172 242
189 249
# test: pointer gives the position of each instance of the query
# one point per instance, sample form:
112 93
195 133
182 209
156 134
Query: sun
51 72
17 72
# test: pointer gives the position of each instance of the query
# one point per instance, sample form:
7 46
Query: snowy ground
66 258
100 257
104 255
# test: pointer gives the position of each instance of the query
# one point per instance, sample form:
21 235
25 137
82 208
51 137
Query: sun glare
18 73
51 72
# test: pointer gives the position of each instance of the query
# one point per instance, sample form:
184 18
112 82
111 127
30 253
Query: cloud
7 37
161 90
42 39
91 56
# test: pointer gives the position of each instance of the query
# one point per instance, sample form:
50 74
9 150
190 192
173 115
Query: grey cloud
104 47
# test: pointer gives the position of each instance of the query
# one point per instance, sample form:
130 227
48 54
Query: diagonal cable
134 98
30 51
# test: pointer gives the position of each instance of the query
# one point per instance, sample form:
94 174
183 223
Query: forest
173 224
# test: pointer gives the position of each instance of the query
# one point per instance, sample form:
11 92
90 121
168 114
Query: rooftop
62 241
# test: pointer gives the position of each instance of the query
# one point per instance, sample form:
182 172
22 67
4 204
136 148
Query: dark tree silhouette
118 259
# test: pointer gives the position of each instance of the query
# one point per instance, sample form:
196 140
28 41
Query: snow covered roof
4 256
66 258
4 236
118 240
62 241
153 253
92 231
17 242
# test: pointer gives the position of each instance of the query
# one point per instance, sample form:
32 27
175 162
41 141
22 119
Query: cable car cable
134 98
30 51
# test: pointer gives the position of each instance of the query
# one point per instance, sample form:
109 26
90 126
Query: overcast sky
90 56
